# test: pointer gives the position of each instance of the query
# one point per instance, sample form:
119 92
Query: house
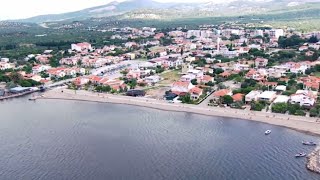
195 93
282 99
261 62
81 47
196 72
80 81
37 78
253 74
180 87
95 79
152 79
220 93
187 77
252 96
130 44
281 88
173 62
268 96
225 74
238 97
303 48
6 60
5 65
40 68
304 98
206 79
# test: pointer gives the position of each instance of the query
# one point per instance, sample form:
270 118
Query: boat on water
309 143
300 155
267 132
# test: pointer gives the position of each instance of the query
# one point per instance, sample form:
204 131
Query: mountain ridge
149 9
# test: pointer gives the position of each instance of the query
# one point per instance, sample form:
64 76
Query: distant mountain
110 9
149 9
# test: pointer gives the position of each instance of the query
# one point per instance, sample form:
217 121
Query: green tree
218 71
313 39
15 77
186 99
279 108
314 112
194 82
227 100
257 106
133 83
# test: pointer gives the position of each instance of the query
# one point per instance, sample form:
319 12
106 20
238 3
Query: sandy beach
303 124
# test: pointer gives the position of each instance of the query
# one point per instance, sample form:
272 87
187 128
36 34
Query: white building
268 96
40 68
281 99
181 87
276 33
196 33
252 96
152 79
303 98
81 47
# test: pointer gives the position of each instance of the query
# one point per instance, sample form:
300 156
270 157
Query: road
113 71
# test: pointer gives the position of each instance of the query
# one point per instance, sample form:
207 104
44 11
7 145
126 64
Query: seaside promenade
303 124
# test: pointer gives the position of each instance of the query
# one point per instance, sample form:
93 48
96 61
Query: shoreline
306 125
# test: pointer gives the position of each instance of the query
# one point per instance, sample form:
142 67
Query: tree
244 44
132 83
293 108
194 82
257 106
314 112
227 100
27 68
218 71
186 99
79 63
292 41
210 83
24 83
15 77
279 108
313 39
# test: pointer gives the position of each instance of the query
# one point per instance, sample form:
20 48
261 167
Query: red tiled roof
238 97
221 92
196 90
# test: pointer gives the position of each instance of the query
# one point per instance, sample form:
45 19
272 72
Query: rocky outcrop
313 161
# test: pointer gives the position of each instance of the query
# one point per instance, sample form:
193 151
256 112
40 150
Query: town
258 69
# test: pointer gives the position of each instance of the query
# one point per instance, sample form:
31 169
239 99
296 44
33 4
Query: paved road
113 71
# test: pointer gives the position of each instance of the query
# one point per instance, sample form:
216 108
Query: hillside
149 9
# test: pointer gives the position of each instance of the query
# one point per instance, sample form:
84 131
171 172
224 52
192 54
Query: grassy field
170 76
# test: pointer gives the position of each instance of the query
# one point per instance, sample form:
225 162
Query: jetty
16 95
313 161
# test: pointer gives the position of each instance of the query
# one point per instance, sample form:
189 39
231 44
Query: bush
314 112
257 106
279 108
300 113
227 99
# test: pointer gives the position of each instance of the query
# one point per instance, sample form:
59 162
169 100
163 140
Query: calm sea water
78 140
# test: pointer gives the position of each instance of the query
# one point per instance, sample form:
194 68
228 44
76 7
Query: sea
69 140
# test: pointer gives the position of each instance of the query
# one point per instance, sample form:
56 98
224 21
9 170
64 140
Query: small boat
300 155
308 143
267 132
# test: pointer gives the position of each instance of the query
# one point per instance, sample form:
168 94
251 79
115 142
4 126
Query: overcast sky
18 9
